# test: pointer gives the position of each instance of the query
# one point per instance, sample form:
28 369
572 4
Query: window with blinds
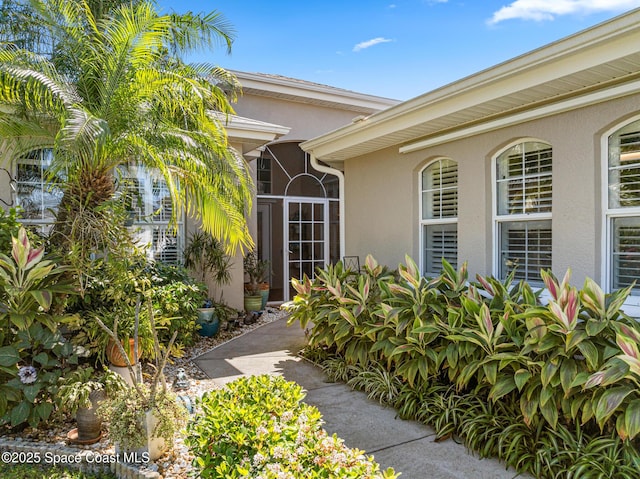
149 203
524 200
440 241
37 191
524 179
439 215
623 213
526 247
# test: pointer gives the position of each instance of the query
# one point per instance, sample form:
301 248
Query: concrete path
407 446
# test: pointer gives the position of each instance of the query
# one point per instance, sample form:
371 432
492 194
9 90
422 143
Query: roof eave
591 47
296 90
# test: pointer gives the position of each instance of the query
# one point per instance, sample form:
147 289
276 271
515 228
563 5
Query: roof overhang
275 86
595 65
251 134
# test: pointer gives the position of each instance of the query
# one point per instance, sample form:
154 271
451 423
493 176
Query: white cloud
540 10
370 43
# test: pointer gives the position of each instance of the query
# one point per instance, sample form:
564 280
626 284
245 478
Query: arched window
523 210
623 207
37 192
439 215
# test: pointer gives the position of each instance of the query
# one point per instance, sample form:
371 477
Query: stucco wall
305 120
382 192
6 195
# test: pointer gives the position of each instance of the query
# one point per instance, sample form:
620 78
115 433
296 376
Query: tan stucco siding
6 194
382 192
379 208
305 120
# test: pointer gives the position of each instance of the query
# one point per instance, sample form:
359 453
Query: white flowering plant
259 428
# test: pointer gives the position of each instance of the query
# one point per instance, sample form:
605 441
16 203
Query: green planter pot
264 292
253 303
208 321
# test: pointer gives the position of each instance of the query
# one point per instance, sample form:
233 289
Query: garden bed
176 463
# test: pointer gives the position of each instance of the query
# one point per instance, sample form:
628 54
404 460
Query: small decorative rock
175 464
181 381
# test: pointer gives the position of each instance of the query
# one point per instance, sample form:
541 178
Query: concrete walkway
407 446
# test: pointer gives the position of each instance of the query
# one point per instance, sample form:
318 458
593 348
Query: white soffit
250 133
276 86
605 57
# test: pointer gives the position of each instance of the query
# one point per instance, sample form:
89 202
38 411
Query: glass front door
306 230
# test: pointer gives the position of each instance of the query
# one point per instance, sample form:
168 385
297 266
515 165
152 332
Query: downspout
335 172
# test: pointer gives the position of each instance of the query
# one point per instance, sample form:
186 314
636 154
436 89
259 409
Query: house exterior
531 164
296 219
297 203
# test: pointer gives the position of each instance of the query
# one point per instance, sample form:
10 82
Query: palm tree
116 93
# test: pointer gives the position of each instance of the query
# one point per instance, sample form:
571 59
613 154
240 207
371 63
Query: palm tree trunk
80 220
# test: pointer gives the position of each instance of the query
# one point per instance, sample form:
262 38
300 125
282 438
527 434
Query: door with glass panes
307 235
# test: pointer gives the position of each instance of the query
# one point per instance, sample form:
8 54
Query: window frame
422 222
498 220
609 214
43 224
145 225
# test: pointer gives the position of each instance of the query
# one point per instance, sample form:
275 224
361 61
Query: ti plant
33 354
535 379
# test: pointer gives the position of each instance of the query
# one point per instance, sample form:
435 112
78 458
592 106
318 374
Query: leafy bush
9 226
258 427
115 288
485 360
33 354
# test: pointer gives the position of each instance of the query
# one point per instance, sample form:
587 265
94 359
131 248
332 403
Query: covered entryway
297 215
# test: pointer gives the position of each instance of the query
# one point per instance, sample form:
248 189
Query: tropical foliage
33 354
117 93
259 427
488 362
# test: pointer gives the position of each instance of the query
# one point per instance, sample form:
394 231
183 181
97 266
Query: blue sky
394 48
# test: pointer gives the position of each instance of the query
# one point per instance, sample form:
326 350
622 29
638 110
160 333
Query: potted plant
257 271
206 257
145 416
80 393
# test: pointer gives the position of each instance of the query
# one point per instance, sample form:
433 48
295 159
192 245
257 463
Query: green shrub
485 360
114 289
9 226
33 354
258 427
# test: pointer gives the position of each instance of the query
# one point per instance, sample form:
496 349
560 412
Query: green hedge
257 427
486 361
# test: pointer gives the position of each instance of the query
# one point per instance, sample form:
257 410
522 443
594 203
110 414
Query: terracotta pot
115 358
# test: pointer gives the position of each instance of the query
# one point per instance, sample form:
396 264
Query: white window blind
439 206
524 179
524 201
526 247
150 209
623 214
440 241
37 192
440 190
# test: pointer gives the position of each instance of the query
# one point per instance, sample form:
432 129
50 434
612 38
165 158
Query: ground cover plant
551 389
258 427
